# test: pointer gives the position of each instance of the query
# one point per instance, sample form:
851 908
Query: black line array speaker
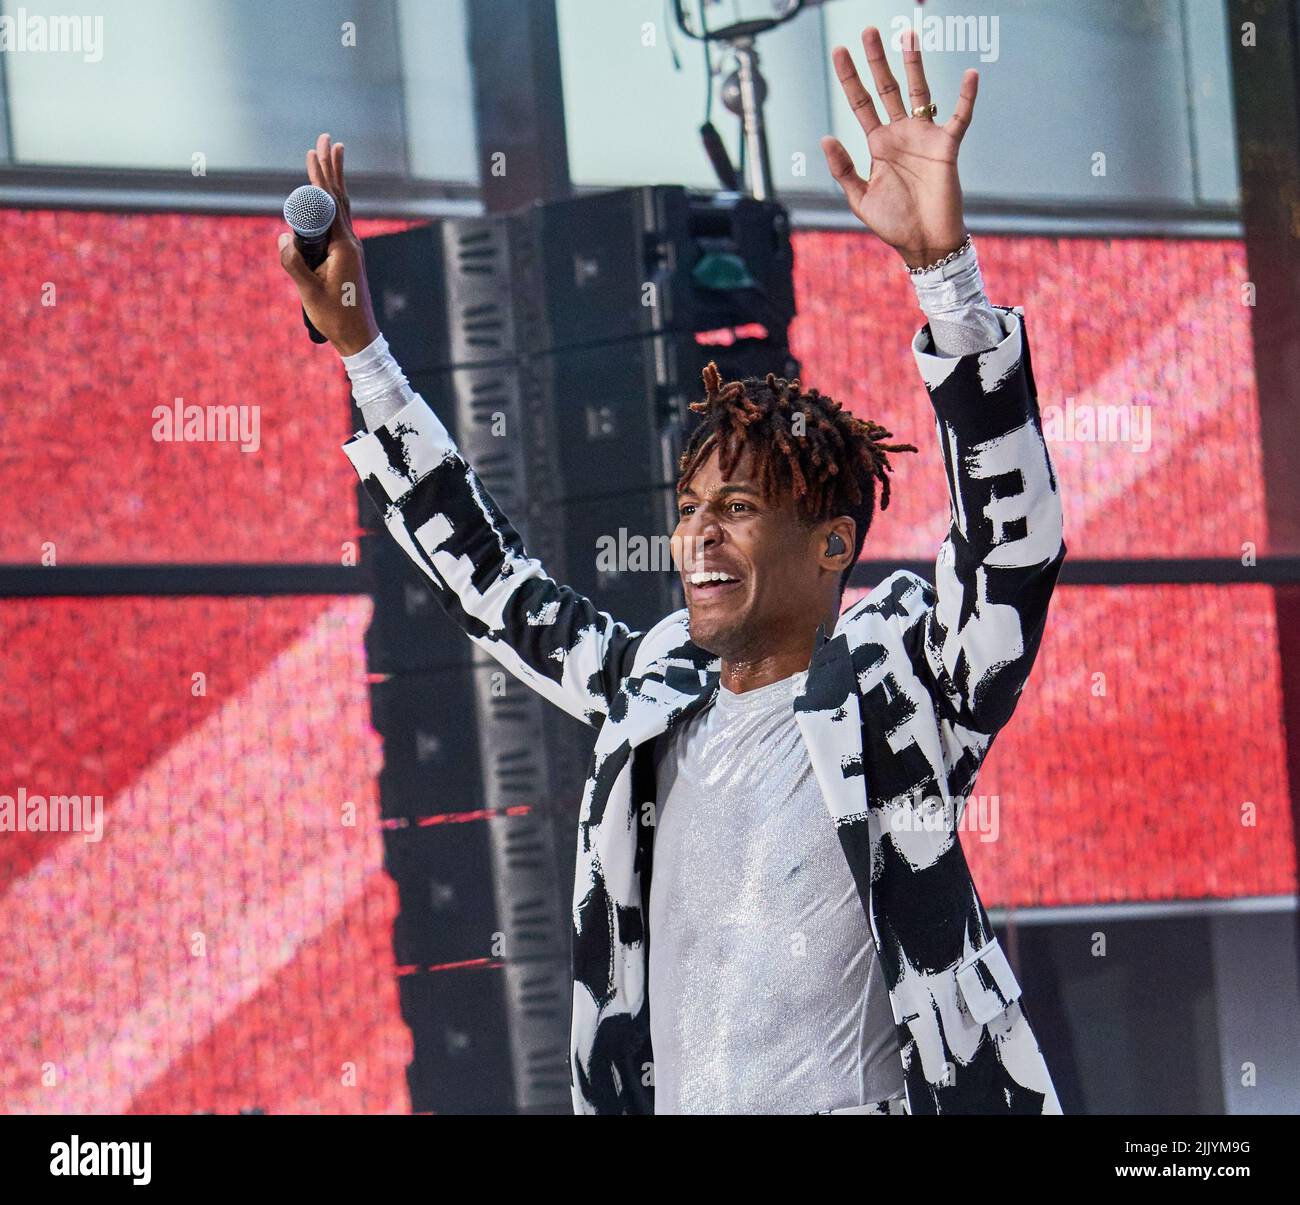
561 345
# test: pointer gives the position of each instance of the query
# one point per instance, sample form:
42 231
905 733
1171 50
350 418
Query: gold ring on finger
925 110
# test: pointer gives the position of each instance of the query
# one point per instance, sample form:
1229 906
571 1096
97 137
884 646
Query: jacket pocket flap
987 983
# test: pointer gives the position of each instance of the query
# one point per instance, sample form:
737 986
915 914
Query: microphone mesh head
309 211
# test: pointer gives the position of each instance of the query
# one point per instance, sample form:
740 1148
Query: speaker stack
561 345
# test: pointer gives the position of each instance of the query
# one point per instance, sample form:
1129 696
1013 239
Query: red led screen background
1150 721
150 308
155 307
1155 323
222 810
226 944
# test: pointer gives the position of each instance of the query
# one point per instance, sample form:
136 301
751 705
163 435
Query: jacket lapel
827 712
830 717
660 702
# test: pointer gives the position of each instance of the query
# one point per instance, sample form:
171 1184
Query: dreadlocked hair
829 470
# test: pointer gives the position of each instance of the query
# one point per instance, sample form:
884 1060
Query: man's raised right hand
341 313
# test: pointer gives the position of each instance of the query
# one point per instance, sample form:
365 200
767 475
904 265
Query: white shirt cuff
952 297
379 387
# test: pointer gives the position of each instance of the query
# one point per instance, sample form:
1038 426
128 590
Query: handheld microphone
310 211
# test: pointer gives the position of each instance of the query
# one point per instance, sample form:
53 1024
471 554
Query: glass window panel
248 85
1060 83
1214 129
634 117
437 90
1146 85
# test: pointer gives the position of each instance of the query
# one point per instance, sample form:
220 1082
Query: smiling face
754 571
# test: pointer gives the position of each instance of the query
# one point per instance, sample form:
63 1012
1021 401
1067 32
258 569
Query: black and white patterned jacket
900 706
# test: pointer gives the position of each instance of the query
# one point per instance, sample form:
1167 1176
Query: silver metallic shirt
766 994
